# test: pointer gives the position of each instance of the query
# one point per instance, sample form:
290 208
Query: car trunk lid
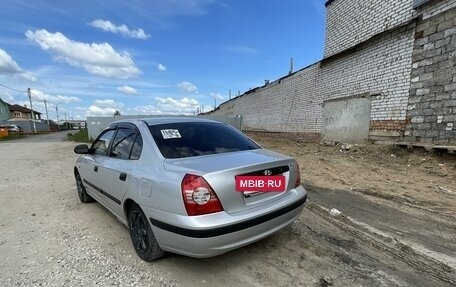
220 172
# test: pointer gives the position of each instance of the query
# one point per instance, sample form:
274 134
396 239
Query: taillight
298 176
199 197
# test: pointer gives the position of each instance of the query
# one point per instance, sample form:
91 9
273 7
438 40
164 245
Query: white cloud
187 87
241 50
9 67
105 107
6 97
161 68
121 29
99 111
38 95
166 106
170 106
216 96
127 90
144 110
97 59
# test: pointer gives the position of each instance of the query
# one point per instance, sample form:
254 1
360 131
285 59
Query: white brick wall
294 105
378 67
350 22
286 106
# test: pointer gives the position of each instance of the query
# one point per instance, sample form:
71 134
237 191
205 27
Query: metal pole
291 66
31 109
57 111
47 115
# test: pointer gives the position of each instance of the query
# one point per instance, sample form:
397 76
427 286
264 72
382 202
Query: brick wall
419 103
350 22
287 104
434 7
432 103
380 68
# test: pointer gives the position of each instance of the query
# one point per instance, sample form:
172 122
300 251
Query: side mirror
81 149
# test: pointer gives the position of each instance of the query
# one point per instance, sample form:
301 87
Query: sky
156 57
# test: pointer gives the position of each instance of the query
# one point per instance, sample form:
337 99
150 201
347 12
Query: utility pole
31 108
57 112
230 94
47 115
291 66
215 103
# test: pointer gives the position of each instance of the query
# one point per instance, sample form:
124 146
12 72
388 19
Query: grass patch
81 135
12 136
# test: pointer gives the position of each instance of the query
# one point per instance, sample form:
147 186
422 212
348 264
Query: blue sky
150 57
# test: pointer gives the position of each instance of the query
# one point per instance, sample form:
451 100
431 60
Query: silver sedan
189 186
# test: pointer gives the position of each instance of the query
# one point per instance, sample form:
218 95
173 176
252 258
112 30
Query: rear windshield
187 139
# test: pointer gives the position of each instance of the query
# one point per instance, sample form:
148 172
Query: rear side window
187 139
137 147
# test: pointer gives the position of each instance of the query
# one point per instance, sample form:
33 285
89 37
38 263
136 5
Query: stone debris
446 190
334 212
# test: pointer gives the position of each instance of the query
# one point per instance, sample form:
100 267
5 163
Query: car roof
167 120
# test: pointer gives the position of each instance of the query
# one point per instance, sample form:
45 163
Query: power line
13 89
36 97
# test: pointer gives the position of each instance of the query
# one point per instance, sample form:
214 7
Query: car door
116 170
89 164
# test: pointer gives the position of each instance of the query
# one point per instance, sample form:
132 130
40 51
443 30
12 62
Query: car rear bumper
205 236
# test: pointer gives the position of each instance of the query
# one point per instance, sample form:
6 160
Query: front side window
101 145
187 139
123 143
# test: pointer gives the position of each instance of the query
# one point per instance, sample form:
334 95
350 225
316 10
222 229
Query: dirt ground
397 224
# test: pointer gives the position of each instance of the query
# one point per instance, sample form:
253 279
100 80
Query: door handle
95 168
123 176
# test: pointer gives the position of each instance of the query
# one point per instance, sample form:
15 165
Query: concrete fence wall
346 119
27 126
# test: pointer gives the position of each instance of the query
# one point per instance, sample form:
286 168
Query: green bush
80 136
12 136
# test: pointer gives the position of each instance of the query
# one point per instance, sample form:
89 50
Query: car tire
142 237
83 196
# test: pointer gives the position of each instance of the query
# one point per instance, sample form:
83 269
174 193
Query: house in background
4 111
22 117
20 113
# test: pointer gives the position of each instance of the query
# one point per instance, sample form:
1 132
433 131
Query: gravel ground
49 238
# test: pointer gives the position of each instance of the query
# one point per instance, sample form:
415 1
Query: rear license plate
273 183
